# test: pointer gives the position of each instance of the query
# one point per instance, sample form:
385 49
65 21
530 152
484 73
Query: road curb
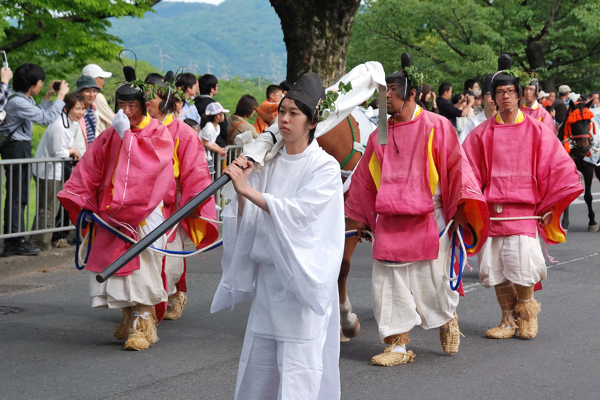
17 265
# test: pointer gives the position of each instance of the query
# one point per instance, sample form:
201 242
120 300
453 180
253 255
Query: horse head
576 129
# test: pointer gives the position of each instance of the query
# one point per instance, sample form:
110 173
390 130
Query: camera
56 85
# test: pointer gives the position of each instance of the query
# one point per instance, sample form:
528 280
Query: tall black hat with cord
501 78
129 90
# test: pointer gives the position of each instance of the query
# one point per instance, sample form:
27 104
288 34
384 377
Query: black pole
163 228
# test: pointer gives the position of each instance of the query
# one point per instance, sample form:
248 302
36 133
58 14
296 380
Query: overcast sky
215 2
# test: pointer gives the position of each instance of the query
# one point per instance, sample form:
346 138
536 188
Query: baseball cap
215 108
564 89
95 71
542 94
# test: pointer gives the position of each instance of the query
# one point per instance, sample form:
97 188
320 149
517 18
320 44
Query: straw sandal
450 335
175 305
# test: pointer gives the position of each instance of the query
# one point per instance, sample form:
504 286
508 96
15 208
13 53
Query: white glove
121 123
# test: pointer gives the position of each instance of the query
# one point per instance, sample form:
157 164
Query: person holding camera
5 77
21 113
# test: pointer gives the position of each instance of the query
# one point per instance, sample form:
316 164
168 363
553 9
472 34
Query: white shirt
472 124
56 142
210 134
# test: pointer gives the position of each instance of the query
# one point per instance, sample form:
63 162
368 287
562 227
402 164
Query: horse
579 138
339 143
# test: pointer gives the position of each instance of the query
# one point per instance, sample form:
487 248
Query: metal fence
232 153
59 221
27 208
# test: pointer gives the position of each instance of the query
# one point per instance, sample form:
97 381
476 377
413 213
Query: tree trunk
537 59
316 36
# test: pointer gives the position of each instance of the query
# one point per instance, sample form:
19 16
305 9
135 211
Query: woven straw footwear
527 324
390 358
175 306
450 335
142 331
122 330
506 329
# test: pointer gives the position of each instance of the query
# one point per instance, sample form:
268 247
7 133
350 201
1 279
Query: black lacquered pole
163 228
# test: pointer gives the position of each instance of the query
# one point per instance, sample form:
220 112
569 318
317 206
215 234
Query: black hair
550 108
191 122
26 76
207 82
469 83
154 78
285 86
206 119
164 93
245 106
443 88
593 93
273 89
374 104
456 98
70 100
185 81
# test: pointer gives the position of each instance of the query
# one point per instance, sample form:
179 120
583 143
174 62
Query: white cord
520 218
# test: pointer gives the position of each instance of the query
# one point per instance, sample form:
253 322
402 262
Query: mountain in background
236 38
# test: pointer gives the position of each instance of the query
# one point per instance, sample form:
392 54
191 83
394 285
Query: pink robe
524 168
122 181
541 115
399 208
192 177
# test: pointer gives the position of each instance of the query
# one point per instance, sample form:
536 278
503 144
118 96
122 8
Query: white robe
288 260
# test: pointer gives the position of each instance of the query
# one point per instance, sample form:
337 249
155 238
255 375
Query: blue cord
81 222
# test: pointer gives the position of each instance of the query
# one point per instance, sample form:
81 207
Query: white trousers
415 295
272 369
517 259
174 265
143 286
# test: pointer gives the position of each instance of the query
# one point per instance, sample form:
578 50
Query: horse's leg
348 319
588 176
565 219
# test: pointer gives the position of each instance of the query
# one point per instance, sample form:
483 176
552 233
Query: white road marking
573 260
580 200
474 286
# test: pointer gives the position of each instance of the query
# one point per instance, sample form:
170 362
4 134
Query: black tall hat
487 84
501 78
128 92
400 76
308 91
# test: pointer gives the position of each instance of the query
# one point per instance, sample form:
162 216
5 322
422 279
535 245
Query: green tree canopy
63 35
458 39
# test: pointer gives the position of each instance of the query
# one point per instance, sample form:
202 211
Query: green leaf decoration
327 106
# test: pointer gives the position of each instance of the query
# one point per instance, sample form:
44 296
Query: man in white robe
285 254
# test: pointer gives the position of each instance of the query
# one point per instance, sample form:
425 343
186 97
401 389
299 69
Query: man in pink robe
533 109
192 177
406 192
528 181
124 177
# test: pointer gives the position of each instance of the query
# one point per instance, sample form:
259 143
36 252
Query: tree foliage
457 39
62 35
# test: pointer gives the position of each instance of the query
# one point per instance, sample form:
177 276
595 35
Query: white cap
215 108
574 97
95 71
542 94
563 89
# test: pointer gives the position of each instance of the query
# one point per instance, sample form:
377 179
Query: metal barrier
29 207
232 153
23 170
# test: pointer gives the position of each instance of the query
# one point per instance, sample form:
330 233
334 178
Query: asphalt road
56 347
